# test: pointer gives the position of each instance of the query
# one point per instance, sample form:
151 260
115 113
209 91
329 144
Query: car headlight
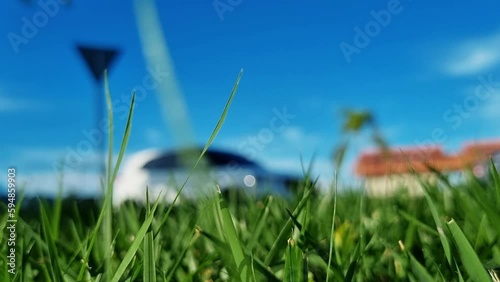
249 180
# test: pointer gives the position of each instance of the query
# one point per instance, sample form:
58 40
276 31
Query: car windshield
163 162
215 158
222 159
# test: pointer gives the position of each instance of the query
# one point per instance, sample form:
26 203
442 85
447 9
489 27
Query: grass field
451 234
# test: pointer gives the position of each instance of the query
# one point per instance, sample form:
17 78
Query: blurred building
386 172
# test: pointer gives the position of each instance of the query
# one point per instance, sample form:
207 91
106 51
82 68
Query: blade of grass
177 263
108 209
357 255
332 230
215 132
93 239
496 179
470 261
56 213
259 265
112 173
434 212
418 223
223 247
273 252
362 235
460 277
149 268
232 238
131 252
125 138
309 240
54 267
262 220
293 262
416 267
419 270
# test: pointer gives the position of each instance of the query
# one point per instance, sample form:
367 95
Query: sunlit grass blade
172 271
54 267
92 240
419 270
293 262
224 112
308 238
332 229
494 276
417 222
496 179
351 270
273 252
125 138
224 247
470 261
109 106
78 242
112 173
362 231
459 273
56 212
261 219
131 252
233 240
435 215
421 274
215 132
108 209
149 265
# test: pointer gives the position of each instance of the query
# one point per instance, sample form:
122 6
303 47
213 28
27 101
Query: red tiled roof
377 163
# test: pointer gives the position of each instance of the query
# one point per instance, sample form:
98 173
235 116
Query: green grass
267 240
450 234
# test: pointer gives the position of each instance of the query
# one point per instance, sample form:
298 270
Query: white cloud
71 156
300 139
293 134
37 171
9 104
38 174
474 56
46 183
285 164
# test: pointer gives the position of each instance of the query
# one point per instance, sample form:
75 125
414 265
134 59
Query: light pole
98 59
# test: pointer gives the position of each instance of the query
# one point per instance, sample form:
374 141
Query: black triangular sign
97 59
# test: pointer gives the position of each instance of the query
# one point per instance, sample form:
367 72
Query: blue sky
420 68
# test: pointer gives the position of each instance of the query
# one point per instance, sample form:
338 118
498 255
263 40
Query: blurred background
429 74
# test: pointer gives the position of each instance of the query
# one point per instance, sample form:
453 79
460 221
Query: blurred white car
165 172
